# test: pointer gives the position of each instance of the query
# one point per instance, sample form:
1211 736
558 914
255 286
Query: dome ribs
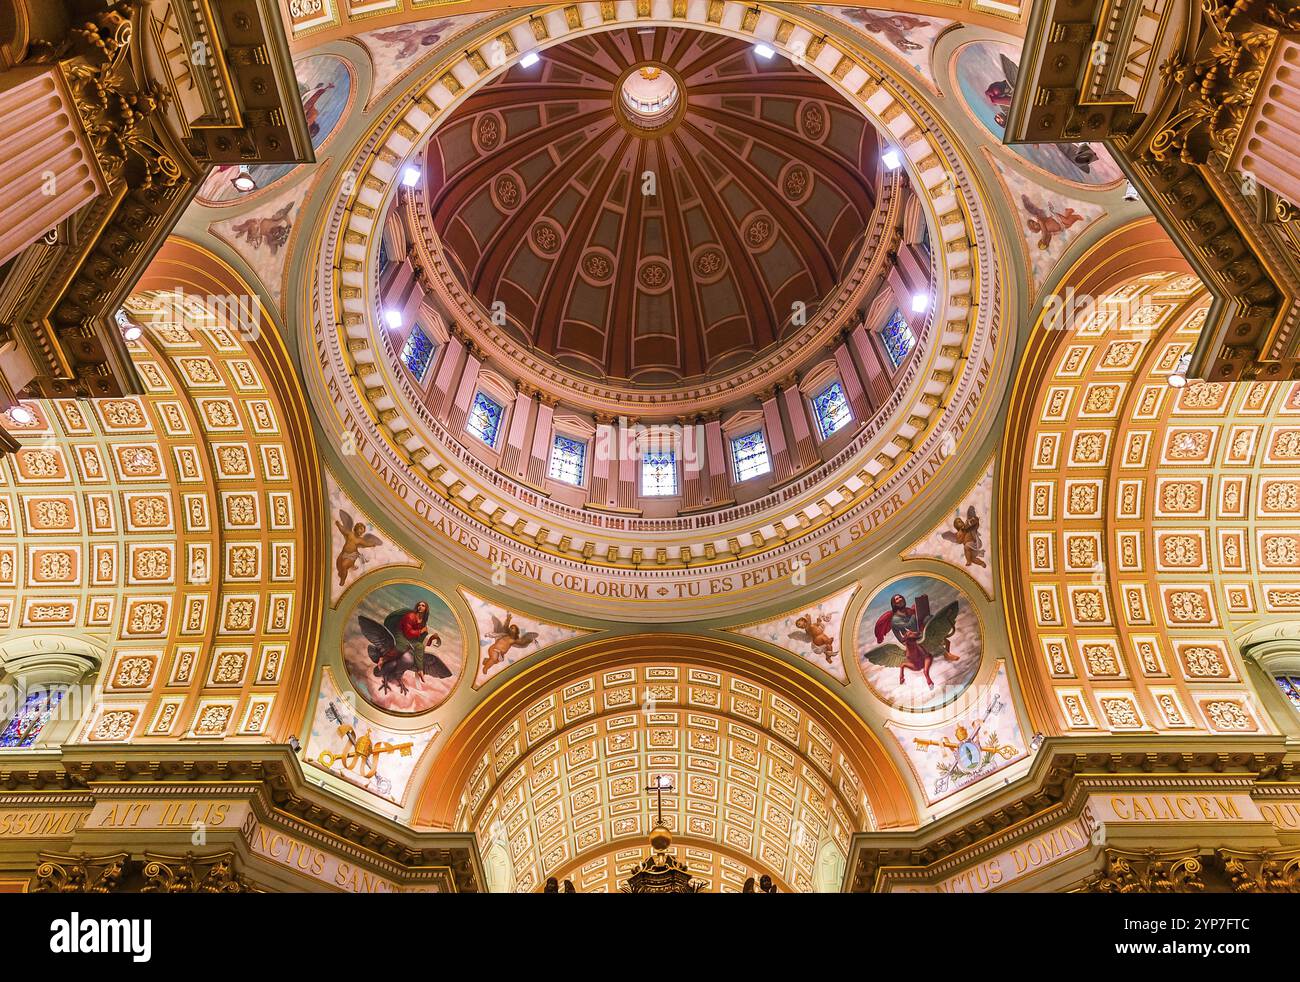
763 185
557 291
748 278
623 305
806 242
691 340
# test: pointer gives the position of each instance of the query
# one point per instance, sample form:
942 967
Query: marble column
717 486
803 445
48 169
1266 144
852 379
513 459
540 449
782 465
694 465
443 393
604 461
465 391
875 377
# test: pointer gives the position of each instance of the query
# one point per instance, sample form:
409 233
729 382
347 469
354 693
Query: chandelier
660 872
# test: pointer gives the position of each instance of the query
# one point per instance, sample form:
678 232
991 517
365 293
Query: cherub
1048 222
507 636
813 631
273 231
966 533
412 39
355 538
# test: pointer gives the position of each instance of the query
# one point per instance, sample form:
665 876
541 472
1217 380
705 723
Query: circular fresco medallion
796 182
402 648
919 643
812 120
487 132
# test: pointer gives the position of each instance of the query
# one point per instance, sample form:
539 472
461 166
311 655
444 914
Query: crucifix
659 783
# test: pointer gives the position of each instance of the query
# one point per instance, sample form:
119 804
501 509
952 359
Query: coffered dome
653 204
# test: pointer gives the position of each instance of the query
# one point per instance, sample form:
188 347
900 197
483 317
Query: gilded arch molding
542 716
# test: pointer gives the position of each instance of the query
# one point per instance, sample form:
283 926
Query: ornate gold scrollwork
1148 871
81 873
193 874
1221 86
1261 871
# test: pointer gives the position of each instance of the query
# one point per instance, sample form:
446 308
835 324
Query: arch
1126 568
1135 250
486 752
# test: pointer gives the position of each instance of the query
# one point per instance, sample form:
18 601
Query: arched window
485 417
898 338
749 455
418 352
568 460
1290 686
24 726
831 409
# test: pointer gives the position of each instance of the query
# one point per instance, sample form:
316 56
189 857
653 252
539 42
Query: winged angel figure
966 533
355 538
399 645
505 636
924 638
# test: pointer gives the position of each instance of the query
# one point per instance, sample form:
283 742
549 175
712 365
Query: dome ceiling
652 224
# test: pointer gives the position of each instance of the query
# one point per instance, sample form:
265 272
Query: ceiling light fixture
243 180
411 176
891 160
764 50
132 332
920 303
22 415
393 318
529 60
1178 377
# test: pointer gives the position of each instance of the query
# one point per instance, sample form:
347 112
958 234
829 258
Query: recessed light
764 50
243 180
891 160
529 60
920 303
393 318
132 332
411 176
22 415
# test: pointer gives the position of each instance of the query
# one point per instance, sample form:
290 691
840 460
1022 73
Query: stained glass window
484 419
383 257
749 453
568 459
22 729
831 409
1290 686
898 337
417 352
659 474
